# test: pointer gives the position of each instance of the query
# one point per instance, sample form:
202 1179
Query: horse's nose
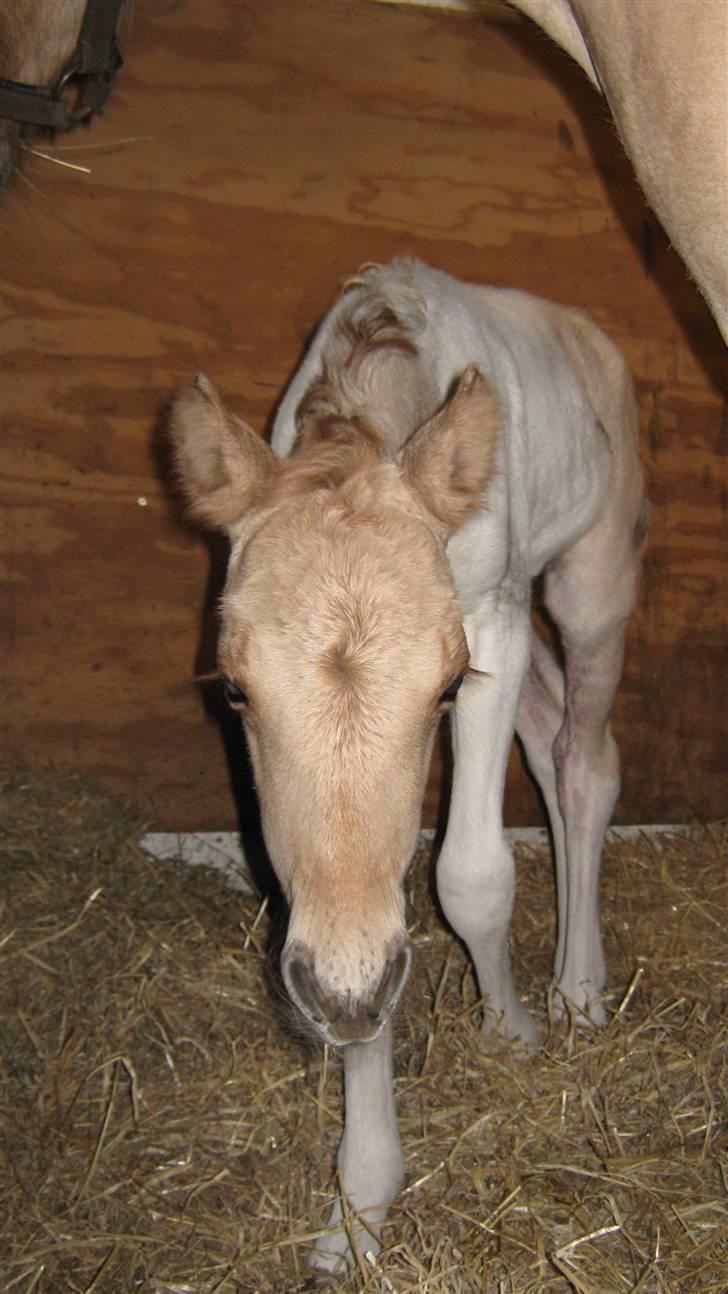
338 1017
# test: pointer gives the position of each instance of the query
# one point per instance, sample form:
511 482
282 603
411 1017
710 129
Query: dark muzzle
337 1017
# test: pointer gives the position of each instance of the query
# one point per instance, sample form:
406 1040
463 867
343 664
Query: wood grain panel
253 156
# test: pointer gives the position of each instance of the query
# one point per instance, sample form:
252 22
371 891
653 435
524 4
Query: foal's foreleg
370 1160
475 872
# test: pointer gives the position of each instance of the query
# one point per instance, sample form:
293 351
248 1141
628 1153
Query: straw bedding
163 1131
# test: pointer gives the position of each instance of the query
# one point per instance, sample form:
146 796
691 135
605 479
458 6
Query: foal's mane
345 417
357 339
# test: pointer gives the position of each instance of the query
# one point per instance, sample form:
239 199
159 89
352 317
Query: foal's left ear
450 458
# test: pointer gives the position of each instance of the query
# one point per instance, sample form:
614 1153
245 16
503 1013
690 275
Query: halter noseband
96 58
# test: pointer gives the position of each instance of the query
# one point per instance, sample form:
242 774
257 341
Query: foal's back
390 352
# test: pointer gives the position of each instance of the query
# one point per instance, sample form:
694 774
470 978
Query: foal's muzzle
338 1017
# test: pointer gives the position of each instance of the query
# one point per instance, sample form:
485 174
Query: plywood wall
252 156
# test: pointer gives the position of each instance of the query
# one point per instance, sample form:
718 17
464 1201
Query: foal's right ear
223 466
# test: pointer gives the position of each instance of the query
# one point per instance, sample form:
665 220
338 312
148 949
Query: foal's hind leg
475 873
538 723
590 592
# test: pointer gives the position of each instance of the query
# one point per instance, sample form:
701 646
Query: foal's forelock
330 452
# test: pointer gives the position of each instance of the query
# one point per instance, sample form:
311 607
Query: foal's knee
476 894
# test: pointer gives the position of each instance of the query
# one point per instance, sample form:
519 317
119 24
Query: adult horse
662 66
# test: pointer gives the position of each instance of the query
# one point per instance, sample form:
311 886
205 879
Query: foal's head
341 645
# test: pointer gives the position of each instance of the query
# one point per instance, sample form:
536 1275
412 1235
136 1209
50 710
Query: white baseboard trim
434 4
222 850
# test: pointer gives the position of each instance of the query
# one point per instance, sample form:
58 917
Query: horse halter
96 59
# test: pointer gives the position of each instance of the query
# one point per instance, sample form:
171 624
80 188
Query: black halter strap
96 59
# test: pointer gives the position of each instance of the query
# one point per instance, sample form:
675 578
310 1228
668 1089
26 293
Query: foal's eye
234 695
451 692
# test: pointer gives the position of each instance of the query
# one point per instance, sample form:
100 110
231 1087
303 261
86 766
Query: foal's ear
223 466
450 459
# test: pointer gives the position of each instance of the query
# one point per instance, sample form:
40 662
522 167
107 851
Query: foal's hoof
323 1280
516 1025
585 1015
328 1265
332 1258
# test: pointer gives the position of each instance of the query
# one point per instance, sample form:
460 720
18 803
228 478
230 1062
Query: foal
440 446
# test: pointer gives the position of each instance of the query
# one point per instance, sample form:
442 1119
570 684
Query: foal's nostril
301 985
392 982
